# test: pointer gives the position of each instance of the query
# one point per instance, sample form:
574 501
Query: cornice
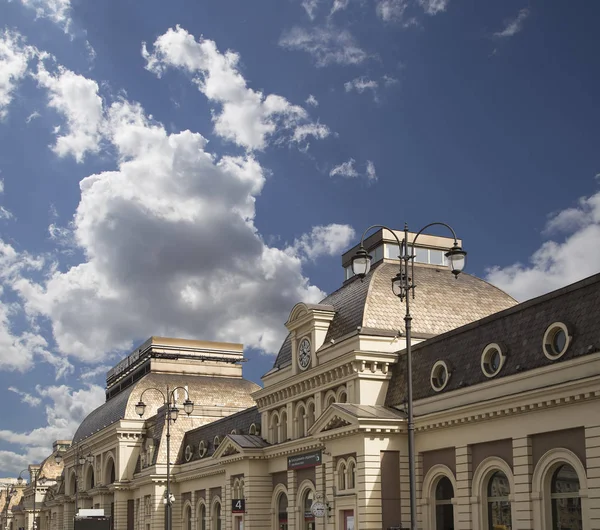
534 400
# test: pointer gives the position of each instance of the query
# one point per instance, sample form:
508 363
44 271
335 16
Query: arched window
187 518
498 503
329 399
351 473
275 428
283 424
238 488
342 395
72 483
282 515
216 516
444 510
300 417
201 518
341 473
310 415
89 478
566 504
109 472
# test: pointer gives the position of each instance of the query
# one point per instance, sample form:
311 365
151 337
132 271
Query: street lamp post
10 491
171 415
80 460
33 476
402 285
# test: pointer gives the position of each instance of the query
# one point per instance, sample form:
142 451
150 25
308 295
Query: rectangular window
436 257
422 255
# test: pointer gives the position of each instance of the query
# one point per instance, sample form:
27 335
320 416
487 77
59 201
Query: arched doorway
444 509
566 503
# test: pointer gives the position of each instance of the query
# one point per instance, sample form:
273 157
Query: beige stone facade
506 402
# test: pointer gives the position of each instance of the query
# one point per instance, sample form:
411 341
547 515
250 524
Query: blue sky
195 168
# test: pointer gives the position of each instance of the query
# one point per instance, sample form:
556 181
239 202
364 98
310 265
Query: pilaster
320 486
68 516
369 491
404 489
592 455
226 517
464 474
292 490
258 492
523 471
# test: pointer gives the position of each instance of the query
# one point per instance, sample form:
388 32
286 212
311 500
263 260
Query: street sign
305 460
238 505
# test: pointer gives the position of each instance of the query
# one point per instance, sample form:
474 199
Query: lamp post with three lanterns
403 285
169 400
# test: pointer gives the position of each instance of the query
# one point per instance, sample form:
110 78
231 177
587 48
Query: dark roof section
240 421
105 415
519 329
442 303
370 411
248 441
204 391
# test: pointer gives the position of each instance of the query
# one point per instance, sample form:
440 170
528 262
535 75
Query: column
194 501
369 491
329 477
419 481
523 470
120 513
592 455
464 474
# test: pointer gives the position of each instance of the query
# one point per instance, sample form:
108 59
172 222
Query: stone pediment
334 418
336 423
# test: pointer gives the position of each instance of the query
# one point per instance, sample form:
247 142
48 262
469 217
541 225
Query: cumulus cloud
559 261
58 11
77 99
433 7
14 58
514 25
65 410
327 45
247 117
172 223
338 5
327 240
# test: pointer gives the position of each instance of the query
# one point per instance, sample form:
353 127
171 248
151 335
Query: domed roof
442 302
49 469
204 391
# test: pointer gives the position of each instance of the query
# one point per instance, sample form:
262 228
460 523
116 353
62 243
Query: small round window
556 341
492 359
439 376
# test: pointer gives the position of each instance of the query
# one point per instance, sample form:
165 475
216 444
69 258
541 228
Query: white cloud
26 397
14 57
77 99
557 263
34 115
312 101
328 45
361 84
346 169
65 410
172 223
433 7
338 5
391 10
58 11
389 81
514 25
327 240
371 174
316 130
310 6
247 117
